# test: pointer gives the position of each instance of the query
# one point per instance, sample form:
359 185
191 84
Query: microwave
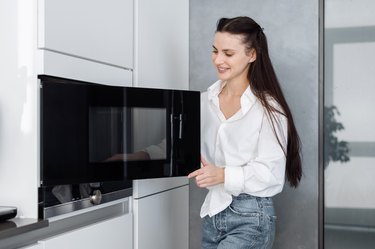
100 137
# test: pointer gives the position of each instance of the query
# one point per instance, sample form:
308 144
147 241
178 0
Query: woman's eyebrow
225 50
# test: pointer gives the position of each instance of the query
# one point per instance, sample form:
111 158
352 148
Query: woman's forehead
228 41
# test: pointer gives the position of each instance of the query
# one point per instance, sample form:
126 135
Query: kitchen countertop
19 226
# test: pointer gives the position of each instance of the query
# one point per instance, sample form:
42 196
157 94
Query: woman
249 141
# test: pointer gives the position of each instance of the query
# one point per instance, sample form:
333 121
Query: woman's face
230 57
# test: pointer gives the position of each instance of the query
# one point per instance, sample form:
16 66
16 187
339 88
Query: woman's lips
222 69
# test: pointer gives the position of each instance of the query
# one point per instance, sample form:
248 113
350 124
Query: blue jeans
248 223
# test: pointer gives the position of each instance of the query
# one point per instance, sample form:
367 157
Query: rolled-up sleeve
157 151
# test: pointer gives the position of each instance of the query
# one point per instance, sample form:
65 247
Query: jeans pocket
243 211
246 225
243 216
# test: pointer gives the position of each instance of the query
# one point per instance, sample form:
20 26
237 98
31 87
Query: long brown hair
264 84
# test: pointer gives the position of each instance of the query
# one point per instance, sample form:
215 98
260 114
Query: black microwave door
180 147
63 145
185 133
95 133
66 124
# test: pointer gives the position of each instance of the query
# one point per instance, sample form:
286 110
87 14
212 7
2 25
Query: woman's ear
252 55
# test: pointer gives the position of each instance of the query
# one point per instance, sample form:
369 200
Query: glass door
349 124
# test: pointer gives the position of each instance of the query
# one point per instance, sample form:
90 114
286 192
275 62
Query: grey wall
292 29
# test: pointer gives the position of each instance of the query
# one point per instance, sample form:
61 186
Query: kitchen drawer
115 233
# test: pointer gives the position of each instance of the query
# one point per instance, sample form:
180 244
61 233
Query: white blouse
245 145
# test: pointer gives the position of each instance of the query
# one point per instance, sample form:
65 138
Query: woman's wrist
222 175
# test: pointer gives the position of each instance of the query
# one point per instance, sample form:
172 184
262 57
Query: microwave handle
173 120
180 127
171 161
180 119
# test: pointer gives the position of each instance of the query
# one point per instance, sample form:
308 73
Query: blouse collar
247 99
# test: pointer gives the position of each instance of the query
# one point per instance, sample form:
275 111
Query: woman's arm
262 176
265 174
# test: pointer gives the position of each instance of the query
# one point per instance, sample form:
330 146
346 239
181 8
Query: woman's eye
229 55
214 51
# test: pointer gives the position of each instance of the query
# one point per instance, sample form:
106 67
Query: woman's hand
208 175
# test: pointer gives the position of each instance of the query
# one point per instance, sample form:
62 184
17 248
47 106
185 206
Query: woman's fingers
194 173
203 161
208 175
198 171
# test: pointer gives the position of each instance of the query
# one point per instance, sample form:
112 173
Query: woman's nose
217 59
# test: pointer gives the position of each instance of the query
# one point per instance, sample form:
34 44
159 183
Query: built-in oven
95 138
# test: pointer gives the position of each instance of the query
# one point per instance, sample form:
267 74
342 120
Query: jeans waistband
264 200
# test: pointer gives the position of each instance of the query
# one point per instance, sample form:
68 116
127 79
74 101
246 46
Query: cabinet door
100 31
115 233
162 220
162 50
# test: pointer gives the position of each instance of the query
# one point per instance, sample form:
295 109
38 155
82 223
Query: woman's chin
222 77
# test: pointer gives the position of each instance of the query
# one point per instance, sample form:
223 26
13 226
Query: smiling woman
248 140
230 57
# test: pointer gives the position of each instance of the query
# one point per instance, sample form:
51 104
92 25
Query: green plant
334 149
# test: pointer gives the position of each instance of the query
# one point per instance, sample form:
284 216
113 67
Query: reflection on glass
349 133
68 193
335 150
116 133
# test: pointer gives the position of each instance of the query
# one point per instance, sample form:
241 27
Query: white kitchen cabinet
100 31
162 220
88 40
162 44
115 233
71 67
